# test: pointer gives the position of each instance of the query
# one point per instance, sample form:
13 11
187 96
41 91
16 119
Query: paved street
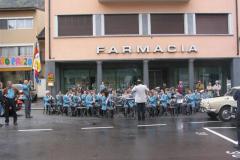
67 138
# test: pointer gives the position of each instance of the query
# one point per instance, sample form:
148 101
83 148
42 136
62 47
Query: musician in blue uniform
75 103
197 99
83 98
89 103
10 95
110 105
152 104
46 101
164 100
104 103
190 102
66 103
59 100
26 87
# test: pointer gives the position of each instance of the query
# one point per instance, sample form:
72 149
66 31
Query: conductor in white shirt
140 91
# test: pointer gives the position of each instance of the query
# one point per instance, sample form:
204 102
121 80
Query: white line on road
91 128
222 136
34 130
152 125
221 127
205 122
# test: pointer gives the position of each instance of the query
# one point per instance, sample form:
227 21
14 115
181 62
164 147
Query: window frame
165 13
229 25
15 23
56 22
149 34
117 35
18 46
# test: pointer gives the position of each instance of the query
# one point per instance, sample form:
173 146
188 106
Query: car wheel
225 114
212 115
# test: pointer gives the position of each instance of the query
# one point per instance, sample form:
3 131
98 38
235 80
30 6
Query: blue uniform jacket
104 103
164 100
26 92
59 99
75 101
46 101
66 101
191 99
83 99
152 101
89 101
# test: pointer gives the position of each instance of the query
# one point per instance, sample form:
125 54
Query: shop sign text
147 49
16 61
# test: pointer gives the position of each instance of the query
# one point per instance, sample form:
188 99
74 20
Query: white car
222 107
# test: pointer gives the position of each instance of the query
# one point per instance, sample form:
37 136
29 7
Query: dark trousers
27 104
141 111
10 103
238 126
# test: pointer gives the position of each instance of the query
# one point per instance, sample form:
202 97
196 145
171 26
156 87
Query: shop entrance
157 78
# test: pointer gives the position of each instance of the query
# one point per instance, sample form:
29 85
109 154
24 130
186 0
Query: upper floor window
212 23
75 25
16 51
25 50
3 24
116 24
21 23
167 23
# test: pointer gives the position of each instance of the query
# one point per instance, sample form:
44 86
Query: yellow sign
50 79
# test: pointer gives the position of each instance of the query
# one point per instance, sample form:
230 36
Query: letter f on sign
100 50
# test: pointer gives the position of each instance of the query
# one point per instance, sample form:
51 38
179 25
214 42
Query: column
235 72
51 68
99 74
191 73
170 82
145 73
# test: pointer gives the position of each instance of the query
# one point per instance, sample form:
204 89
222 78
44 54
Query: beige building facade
19 28
161 42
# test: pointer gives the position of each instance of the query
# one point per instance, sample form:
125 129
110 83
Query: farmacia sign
147 49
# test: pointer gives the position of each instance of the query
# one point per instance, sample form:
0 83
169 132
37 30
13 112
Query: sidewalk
38 105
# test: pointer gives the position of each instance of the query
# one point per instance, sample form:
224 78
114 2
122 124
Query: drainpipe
49 30
237 29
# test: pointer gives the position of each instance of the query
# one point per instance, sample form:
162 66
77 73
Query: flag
36 64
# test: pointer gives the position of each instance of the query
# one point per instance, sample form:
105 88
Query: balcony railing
118 1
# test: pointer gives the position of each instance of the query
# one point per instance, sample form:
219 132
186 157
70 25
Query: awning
15 69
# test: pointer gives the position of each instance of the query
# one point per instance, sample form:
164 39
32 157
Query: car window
231 92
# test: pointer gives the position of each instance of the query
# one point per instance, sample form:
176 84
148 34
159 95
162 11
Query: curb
37 108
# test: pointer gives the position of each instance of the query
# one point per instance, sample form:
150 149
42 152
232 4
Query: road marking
221 127
34 130
222 136
91 128
205 122
152 125
235 154
201 133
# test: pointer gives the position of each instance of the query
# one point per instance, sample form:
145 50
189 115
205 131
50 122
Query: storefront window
79 77
208 74
121 78
181 74
15 77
